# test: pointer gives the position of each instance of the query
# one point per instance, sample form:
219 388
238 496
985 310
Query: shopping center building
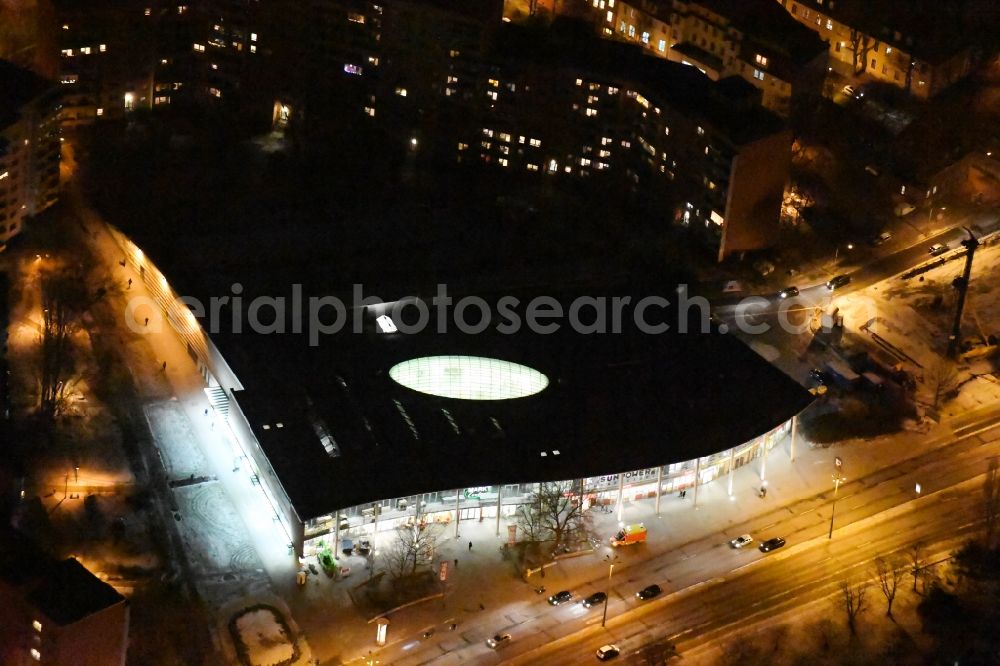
372 427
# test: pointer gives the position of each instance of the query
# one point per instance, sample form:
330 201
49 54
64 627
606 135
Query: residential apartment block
106 52
752 39
56 612
917 45
29 147
564 103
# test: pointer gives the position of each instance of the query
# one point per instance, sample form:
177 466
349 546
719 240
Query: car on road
498 641
741 540
560 597
788 292
819 376
594 599
771 544
838 281
607 652
882 238
937 249
649 592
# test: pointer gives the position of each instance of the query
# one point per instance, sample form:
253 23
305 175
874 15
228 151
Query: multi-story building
919 46
106 58
567 104
29 147
752 39
206 50
56 612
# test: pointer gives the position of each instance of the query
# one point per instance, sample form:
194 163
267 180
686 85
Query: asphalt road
710 589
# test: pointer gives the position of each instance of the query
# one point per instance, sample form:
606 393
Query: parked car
937 249
649 592
838 281
788 292
607 652
881 239
560 597
498 641
364 547
594 599
771 544
819 376
741 540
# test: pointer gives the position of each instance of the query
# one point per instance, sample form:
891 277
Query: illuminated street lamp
611 560
838 479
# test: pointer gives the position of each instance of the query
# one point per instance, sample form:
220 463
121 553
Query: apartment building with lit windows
106 53
56 612
566 104
752 39
919 46
29 147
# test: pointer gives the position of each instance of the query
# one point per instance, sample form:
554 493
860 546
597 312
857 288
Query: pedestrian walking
164 366
456 562
130 283
147 321
206 411
470 545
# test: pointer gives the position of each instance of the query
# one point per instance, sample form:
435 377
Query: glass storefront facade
481 503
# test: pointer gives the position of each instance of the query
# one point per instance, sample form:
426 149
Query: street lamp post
611 569
837 480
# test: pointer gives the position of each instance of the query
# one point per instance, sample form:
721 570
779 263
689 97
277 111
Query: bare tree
64 300
854 599
861 44
888 573
915 553
991 503
412 549
552 515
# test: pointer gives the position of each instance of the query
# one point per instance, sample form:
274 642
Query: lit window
401 92
370 111
662 45
591 112
68 52
102 48
100 111
35 654
34 623
553 166
200 48
487 131
85 50
453 53
532 167
536 143
463 146
129 101
352 69
215 92
181 9
645 38
757 74
631 31
503 161
666 131
760 60
888 50
611 17
492 94
148 11
214 66
701 131
253 49
504 137
612 90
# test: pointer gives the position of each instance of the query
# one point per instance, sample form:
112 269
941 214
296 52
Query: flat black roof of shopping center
614 402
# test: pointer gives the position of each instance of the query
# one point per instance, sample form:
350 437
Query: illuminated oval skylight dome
469 377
